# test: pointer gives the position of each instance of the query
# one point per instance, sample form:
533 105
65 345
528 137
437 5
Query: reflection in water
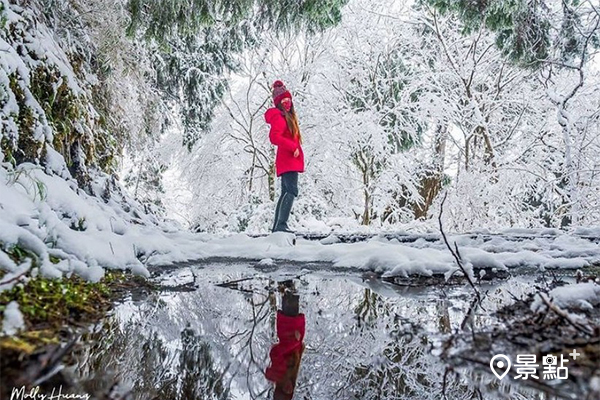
363 341
286 355
145 365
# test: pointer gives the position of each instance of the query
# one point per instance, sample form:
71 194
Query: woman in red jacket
289 161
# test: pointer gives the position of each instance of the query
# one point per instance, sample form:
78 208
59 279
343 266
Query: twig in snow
456 253
469 315
565 315
14 278
194 275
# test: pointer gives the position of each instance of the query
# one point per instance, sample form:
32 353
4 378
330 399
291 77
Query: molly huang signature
34 394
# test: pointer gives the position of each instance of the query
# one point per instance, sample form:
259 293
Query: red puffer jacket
287 354
286 144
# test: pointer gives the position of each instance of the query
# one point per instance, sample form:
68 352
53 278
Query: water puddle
208 333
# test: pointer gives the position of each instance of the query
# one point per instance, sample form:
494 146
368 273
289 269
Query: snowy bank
390 257
47 223
583 296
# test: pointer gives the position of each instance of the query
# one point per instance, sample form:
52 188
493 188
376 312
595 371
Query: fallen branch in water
234 283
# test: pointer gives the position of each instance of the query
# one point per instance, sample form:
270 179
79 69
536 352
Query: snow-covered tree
425 104
558 39
196 43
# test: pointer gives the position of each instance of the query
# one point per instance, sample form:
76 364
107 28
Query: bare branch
454 253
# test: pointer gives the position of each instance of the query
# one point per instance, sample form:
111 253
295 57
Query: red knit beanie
280 92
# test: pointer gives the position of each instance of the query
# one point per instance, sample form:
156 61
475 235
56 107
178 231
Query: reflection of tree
387 377
403 369
199 379
260 312
249 343
443 316
99 355
129 355
379 357
154 381
384 377
368 308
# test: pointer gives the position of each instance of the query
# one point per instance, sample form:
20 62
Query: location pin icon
503 364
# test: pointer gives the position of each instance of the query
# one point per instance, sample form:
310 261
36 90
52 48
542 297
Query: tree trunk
489 157
366 217
431 184
271 181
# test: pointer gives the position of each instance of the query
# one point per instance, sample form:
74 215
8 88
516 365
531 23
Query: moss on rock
27 148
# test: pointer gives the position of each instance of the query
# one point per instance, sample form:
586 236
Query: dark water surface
365 339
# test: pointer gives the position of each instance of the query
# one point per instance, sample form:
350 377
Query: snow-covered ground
584 296
68 231
64 230
390 257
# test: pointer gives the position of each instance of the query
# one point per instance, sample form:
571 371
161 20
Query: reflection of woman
289 161
287 354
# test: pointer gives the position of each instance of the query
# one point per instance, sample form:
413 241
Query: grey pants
289 191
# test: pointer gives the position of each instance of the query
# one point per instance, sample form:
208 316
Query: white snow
277 239
266 262
331 239
66 230
69 231
13 319
387 257
582 296
595 384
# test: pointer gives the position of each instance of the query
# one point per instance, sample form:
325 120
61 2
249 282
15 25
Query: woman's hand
296 153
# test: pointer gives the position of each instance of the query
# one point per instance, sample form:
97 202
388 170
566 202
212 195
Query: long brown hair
292 121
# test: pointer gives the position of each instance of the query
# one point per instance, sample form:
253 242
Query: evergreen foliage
164 19
196 42
528 31
3 18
